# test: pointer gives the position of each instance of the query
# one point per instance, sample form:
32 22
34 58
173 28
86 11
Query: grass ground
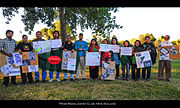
98 90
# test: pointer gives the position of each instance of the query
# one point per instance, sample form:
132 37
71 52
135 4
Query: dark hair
139 43
38 32
106 40
147 37
81 34
127 42
55 32
168 37
24 35
111 53
115 39
9 31
95 41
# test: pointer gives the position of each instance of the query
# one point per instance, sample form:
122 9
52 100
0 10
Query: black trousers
24 77
117 71
94 71
148 72
6 80
135 72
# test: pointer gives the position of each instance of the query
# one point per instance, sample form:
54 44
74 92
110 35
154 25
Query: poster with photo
29 61
7 64
143 59
108 70
69 60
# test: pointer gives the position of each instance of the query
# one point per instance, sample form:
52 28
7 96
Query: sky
135 21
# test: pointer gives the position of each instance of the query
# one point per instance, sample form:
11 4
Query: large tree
99 20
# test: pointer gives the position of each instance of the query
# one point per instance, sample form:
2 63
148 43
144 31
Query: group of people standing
8 46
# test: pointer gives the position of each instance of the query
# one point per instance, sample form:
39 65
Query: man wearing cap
164 61
81 47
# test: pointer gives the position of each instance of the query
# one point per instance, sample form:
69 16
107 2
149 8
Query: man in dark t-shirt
25 46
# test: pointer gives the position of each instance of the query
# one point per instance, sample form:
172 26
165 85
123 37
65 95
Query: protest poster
17 57
108 70
29 62
56 43
126 51
69 60
93 59
108 47
164 53
42 46
174 52
143 59
15 72
7 64
71 64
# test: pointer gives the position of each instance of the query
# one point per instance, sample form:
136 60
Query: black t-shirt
24 47
68 46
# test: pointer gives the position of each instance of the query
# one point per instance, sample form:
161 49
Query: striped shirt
8 45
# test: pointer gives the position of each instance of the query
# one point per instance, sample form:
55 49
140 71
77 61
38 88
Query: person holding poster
41 60
109 57
81 46
104 54
7 47
164 61
151 48
68 45
126 61
94 70
25 46
116 56
55 52
137 48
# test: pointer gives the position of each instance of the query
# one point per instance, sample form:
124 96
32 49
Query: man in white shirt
164 61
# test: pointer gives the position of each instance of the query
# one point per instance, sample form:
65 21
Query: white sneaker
58 80
50 80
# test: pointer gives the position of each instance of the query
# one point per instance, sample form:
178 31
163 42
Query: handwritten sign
108 47
93 59
126 51
56 43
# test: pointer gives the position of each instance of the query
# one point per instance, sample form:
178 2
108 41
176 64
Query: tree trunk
62 23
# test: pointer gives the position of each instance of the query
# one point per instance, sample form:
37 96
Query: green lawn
98 90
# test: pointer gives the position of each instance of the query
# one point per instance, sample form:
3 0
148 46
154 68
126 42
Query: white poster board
108 47
56 43
126 51
93 59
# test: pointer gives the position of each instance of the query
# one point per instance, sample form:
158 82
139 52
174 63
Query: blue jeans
66 75
44 75
127 70
51 75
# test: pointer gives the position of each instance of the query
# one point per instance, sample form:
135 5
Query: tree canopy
99 20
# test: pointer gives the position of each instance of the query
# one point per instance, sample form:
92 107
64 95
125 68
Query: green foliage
97 19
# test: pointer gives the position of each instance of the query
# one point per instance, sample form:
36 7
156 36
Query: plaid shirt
8 45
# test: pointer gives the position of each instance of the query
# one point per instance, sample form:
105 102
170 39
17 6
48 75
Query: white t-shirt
165 57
